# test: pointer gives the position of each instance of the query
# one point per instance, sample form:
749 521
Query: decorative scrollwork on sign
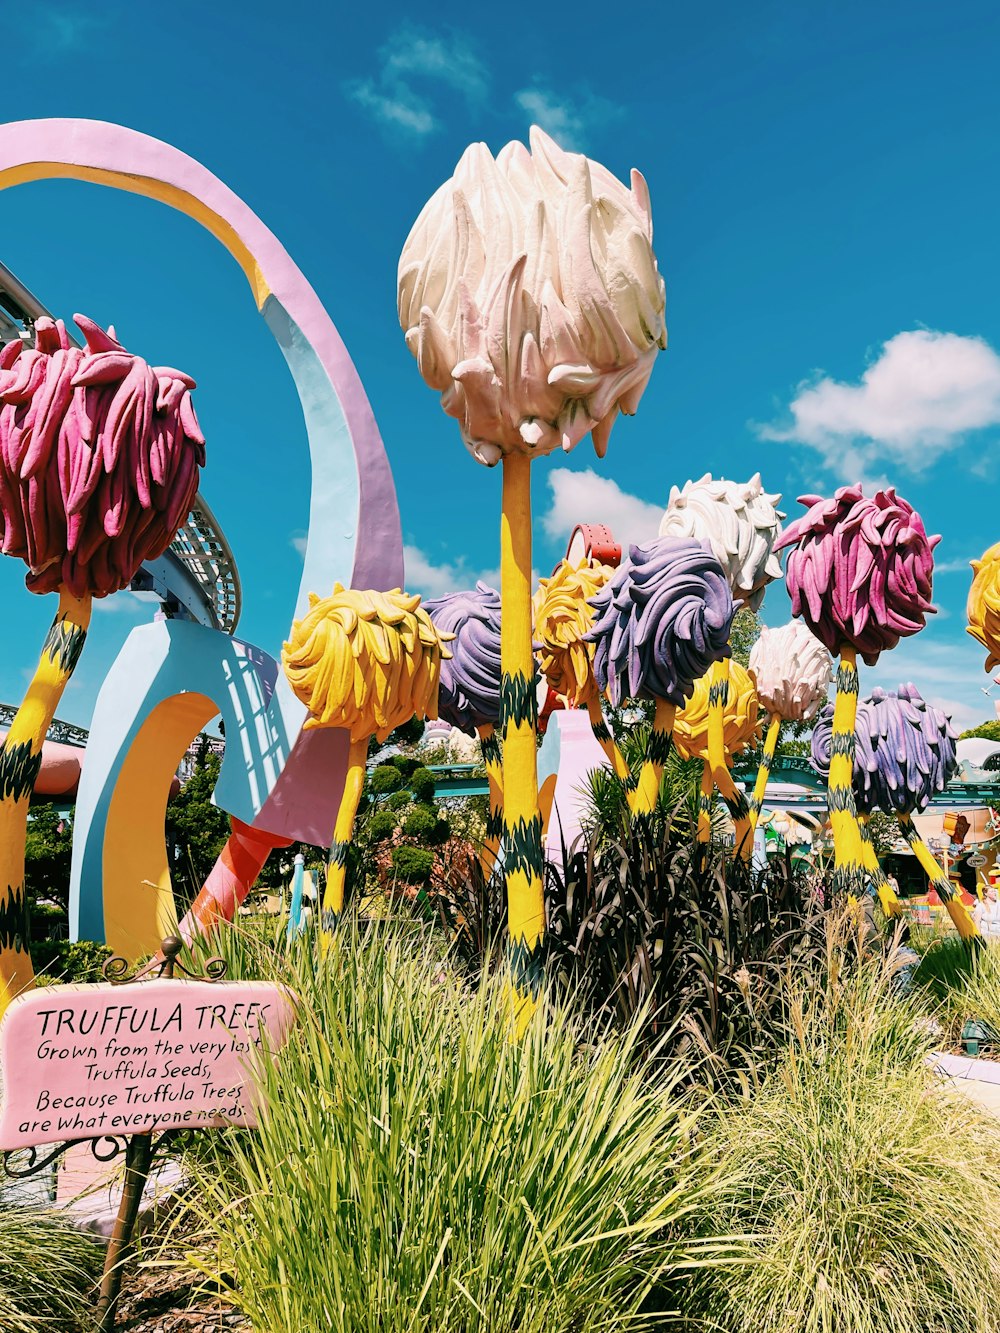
104 1149
166 964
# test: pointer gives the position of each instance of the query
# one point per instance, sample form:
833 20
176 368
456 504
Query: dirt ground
165 1300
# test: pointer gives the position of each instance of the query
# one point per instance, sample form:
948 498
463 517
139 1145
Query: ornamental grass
866 1189
47 1269
418 1169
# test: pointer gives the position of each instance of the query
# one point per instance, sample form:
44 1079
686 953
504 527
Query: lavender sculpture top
469 696
661 621
904 752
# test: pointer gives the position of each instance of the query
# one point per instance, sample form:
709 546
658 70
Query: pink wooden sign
80 1062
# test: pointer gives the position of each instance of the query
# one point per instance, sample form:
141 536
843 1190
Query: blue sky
826 196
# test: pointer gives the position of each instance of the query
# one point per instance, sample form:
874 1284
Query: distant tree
196 830
47 856
987 731
744 634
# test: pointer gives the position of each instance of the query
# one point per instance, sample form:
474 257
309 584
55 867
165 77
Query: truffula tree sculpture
367 662
660 622
530 297
904 755
469 696
99 459
983 609
792 671
741 524
859 573
740 715
564 616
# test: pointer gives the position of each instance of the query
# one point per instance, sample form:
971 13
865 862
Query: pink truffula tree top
99 459
860 570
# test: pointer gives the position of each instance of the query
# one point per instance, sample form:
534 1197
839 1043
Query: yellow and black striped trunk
336 873
647 791
847 849
493 759
764 771
605 740
956 909
20 761
891 905
718 760
522 820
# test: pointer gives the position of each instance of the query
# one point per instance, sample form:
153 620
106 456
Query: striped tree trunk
891 905
522 820
956 909
705 793
647 789
605 739
493 759
343 831
718 760
847 849
20 761
764 771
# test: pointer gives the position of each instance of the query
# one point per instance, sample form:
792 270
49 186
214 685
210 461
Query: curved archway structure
354 537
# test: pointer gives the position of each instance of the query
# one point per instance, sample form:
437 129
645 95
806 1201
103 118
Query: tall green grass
868 1193
417 1169
47 1270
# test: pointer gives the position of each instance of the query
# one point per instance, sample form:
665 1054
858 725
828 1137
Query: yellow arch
151 189
139 908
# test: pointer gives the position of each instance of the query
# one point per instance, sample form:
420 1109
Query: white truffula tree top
530 296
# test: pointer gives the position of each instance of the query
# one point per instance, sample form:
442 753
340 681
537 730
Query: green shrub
399 799
47 1270
421 783
421 822
384 779
62 961
867 1191
405 763
382 825
413 865
436 1174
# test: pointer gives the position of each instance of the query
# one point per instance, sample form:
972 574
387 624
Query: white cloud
433 580
298 541
566 119
955 566
415 65
923 394
125 602
587 497
948 673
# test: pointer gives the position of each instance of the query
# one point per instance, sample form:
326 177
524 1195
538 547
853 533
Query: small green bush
405 763
399 799
382 825
62 961
413 865
421 783
420 823
384 779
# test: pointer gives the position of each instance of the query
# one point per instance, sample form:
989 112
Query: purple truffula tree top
469 695
661 621
905 751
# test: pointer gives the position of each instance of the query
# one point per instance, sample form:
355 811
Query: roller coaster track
196 579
